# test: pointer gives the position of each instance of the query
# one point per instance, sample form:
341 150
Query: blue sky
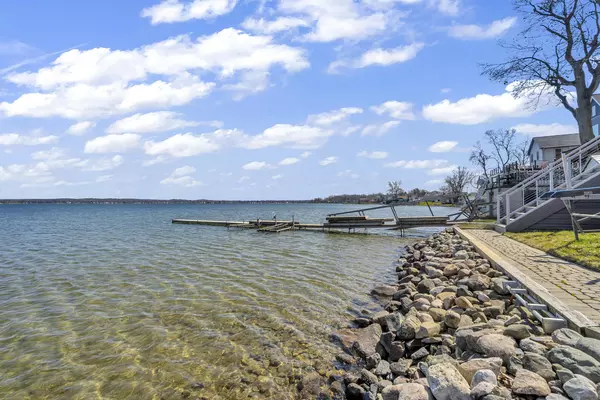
249 99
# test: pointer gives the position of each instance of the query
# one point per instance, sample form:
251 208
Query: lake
115 302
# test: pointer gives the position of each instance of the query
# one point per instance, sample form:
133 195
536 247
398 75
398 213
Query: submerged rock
367 340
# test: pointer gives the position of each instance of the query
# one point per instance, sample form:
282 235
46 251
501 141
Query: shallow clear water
115 302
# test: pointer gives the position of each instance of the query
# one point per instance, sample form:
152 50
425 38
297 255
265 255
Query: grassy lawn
562 244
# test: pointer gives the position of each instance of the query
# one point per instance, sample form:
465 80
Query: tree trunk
584 120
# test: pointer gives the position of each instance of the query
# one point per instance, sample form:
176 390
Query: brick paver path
577 287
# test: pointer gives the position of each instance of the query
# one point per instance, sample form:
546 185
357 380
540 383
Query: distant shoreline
173 201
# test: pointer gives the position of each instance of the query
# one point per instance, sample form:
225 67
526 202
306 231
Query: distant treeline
143 201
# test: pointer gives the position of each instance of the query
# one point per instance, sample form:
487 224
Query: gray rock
477 282
589 346
405 391
354 392
400 367
577 361
373 360
428 329
530 346
368 377
386 340
564 375
451 270
393 321
422 352
425 286
580 388
384 291
433 272
530 383
517 331
566 337
556 396
408 328
383 368
498 286
495 345
461 255
469 368
367 340
397 351
446 383
539 364
452 319
463 302
484 376
482 390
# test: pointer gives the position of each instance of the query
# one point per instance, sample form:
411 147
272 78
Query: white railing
556 175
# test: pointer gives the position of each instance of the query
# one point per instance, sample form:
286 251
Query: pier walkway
577 287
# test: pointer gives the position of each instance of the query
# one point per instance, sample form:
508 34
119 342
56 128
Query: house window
557 154
538 155
595 128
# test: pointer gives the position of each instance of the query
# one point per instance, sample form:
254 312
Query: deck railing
559 174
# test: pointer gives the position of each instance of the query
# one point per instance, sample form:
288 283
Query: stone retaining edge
575 320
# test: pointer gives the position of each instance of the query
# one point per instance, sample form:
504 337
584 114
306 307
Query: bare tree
480 158
555 55
503 145
456 183
395 189
520 152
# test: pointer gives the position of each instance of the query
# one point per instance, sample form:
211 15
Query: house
546 149
596 114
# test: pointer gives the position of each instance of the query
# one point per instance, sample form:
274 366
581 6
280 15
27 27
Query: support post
427 202
567 169
498 207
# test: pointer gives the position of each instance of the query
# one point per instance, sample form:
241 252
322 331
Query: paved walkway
577 287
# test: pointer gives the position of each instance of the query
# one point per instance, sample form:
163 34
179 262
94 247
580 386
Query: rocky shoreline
451 331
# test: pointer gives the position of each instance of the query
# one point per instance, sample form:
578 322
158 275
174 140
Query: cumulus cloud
102 82
113 143
270 27
375 155
447 170
15 139
256 166
418 164
170 11
289 161
295 136
306 154
443 146
545 129
182 171
328 161
80 128
477 32
159 121
379 129
332 117
185 181
483 108
448 7
51 154
395 109
181 145
380 57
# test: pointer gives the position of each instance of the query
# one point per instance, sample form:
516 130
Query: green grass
435 204
562 244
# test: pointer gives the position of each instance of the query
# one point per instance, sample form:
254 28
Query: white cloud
289 161
477 32
154 161
395 109
306 154
448 7
181 171
545 129
52 154
445 90
328 161
483 108
185 181
443 170
418 164
331 117
376 155
169 11
102 82
187 144
103 178
381 57
113 143
256 166
295 136
379 129
278 25
159 121
348 173
243 178
80 128
14 139
276 177
443 146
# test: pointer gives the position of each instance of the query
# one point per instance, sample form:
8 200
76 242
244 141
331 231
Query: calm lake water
115 302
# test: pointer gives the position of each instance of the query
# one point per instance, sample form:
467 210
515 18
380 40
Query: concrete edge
575 320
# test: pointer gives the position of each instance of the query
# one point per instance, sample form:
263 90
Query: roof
548 142
596 97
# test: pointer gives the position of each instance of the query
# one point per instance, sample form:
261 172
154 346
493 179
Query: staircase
521 206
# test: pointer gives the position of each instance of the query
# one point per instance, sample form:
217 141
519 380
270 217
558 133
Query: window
557 154
538 155
595 128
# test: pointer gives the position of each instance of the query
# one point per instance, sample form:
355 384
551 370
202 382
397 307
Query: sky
250 99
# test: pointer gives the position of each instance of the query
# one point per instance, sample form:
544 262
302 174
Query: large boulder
469 368
446 383
478 282
495 345
581 388
367 340
566 337
589 346
405 391
384 291
539 364
577 361
408 328
531 384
